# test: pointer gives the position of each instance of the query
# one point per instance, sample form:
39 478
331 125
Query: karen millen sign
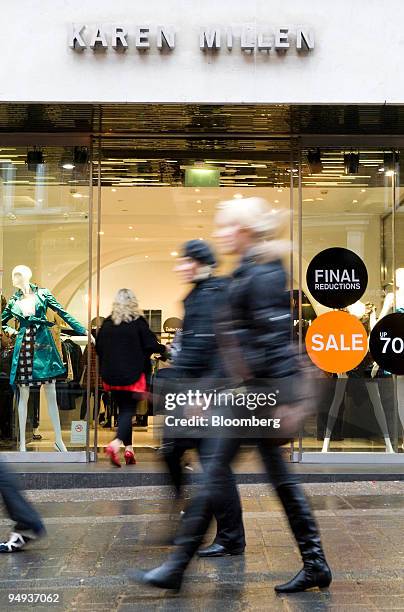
214 38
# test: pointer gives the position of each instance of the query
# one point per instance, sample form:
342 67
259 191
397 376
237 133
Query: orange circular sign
336 342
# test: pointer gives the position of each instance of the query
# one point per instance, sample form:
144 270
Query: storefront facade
121 129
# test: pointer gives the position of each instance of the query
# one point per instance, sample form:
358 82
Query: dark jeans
216 496
127 402
18 508
228 513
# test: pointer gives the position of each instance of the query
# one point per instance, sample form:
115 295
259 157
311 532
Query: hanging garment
69 389
47 363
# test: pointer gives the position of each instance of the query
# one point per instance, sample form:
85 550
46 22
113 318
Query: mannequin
395 302
36 360
362 311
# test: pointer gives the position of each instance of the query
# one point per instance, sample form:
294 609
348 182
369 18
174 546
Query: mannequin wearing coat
394 302
43 364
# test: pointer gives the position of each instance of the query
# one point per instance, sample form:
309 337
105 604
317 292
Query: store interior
144 207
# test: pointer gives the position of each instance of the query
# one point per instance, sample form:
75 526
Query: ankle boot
169 575
315 571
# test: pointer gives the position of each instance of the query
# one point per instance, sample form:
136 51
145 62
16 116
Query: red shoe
130 458
114 456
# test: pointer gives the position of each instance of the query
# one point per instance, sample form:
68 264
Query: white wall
357 57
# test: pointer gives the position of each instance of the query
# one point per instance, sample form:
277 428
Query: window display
43 243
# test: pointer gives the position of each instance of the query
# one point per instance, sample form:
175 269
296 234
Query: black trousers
127 402
216 496
18 508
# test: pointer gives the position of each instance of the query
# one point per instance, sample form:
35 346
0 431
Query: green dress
47 362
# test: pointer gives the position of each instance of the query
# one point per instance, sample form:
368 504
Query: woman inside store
260 328
124 345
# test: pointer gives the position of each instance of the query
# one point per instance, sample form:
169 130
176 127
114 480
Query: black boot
169 575
193 526
315 571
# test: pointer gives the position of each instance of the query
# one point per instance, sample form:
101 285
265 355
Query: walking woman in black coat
124 345
260 326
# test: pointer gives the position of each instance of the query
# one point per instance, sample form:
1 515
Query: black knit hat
200 251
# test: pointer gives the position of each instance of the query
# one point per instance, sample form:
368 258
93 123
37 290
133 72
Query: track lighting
34 159
80 155
314 161
351 163
390 160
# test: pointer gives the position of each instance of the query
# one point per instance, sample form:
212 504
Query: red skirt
139 386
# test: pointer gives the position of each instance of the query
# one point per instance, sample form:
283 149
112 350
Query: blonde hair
265 223
125 307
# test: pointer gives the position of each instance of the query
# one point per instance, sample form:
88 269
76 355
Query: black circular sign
172 325
337 277
386 343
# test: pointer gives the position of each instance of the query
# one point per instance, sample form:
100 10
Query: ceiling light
72 238
174 254
319 199
131 227
101 233
77 195
351 163
363 190
136 238
354 201
238 196
197 190
200 210
200 239
199 201
68 166
146 257
113 190
40 200
279 190
276 201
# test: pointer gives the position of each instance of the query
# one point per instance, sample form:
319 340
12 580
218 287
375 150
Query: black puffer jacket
199 355
261 318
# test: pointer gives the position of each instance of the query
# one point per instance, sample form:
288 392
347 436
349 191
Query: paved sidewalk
96 535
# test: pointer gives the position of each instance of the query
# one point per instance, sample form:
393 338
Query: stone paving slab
92 542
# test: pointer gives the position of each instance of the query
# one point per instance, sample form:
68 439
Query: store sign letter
249 38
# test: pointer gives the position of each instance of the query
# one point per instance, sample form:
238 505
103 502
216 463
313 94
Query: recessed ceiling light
136 238
40 200
319 199
101 233
130 227
197 190
72 238
280 190
276 201
77 195
146 257
238 196
68 166
200 238
113 190
200 210
199 201
363 190
174 254
354 201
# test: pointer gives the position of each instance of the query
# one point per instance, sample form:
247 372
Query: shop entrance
154 196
